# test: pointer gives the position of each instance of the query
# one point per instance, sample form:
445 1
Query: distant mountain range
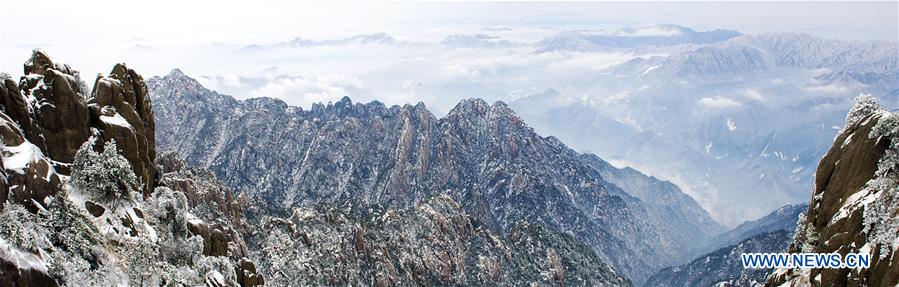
728 117
477 41
368 39
631 38
707 117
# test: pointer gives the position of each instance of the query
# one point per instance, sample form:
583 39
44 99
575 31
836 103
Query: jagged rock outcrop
433 244
120 108
484 156
51 107
220 215
82 203
54 97
854 204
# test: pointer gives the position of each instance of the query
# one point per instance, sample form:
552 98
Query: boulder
247 275
29 177
12 275
215 240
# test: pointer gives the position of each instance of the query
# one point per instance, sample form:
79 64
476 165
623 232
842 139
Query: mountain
433 244
723 264
82 202
681 216
298 42
477 41
784 218
853 203
869 65
483 156
631 37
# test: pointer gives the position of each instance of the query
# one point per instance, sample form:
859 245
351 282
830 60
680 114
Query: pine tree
864 106
105 176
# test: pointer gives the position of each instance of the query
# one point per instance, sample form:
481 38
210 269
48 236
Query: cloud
718 103
753 94
304 91
826 89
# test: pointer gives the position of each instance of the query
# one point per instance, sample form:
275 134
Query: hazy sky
204 39
92 34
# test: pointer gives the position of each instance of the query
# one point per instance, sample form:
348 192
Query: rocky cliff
854 205
82 201
483 156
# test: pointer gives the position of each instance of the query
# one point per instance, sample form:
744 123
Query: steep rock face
484 156
50 106
433 244
853 206
55 103
120 108
28 176
683 223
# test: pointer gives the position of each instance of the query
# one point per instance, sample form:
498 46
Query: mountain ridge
484 155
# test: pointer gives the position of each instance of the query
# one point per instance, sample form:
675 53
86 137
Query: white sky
91 35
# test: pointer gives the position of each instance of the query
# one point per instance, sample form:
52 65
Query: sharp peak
176 75
176 72
38 61
480 106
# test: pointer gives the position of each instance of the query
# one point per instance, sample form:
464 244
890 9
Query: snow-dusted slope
723 267
483 155
433 244
784 218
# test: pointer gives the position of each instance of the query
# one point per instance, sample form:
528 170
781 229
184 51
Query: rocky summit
483 156
854 203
